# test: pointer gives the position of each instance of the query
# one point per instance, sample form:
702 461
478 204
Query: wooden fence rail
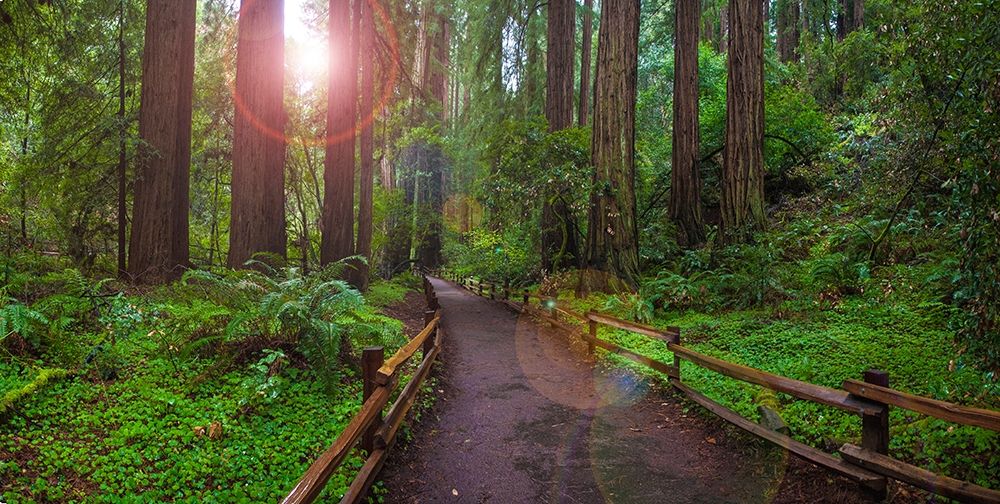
367 429
868 464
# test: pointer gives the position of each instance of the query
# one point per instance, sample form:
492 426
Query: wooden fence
868 464
375 432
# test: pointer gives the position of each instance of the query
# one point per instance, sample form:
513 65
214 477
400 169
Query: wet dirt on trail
525 415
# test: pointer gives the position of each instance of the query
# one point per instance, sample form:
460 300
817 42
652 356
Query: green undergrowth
826 345
387 292
146 438
137 440
222 387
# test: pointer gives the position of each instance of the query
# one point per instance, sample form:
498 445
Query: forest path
525 415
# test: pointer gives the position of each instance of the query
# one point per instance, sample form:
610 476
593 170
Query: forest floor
525 415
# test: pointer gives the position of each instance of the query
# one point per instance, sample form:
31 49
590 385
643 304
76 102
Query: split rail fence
374 433
868 464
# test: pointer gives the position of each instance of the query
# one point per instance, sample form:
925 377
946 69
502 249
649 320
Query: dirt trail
526 416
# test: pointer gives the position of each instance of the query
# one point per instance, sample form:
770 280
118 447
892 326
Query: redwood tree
685 178
338 174
788 26
258 185
586 43
612 238
857 14
365 195
432 161
742 202
558 237
158 246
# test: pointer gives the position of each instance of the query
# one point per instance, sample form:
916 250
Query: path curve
525 415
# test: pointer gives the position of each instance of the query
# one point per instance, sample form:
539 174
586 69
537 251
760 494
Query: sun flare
309 52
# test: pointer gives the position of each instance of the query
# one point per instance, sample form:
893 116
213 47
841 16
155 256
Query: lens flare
384 98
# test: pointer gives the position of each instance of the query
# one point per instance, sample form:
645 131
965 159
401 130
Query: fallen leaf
710 440
454 492
215 430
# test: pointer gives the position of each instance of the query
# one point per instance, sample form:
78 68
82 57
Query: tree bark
788 26
432 159
367 39
158 245
724 29
558 234
122 157
841 19
685 178
338 175
858 17
742 204
612 238
586 45
257 221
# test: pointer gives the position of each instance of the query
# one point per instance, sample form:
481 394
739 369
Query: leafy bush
495 255
318 314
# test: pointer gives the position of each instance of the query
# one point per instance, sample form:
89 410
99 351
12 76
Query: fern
18 319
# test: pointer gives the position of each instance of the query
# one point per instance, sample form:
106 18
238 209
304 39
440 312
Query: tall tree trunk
444 56
298 181
338 176
858 15
532 98
433 159
214 239
788 26
24 156
742 202
367 39
258 185
724 31
612 238
558 237
685 178
586 43
401 225
122 158
841 19
158 245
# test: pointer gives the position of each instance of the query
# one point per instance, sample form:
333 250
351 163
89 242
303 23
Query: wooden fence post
526 297
875 428
493 291
593 334
372 359
506 290
677 359
429 342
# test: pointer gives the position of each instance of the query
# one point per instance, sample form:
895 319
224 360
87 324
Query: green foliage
265 382
499 256
527 163
226 347
16 318
318 314
138 436
383 293
827 346
12 397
